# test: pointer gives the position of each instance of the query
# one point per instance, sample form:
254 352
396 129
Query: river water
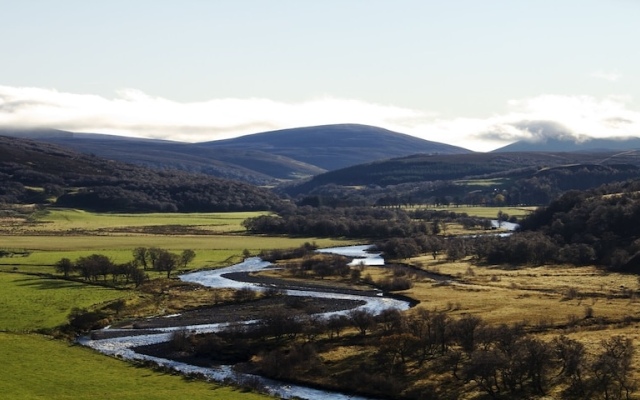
124 345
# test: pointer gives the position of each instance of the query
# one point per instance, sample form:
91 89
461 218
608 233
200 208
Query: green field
30 302
68 220
211 250
488 212
36 367
217 238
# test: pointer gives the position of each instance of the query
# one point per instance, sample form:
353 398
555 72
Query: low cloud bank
134 113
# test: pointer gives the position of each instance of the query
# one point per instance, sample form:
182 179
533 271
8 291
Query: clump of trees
162 260
96 267
322 265
274 255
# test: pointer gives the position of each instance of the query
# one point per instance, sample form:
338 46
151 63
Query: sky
471 73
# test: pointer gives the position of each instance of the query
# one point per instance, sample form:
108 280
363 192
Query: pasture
57 220
37 367
29 303
218 239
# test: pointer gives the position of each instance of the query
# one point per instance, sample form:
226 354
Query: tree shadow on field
47 284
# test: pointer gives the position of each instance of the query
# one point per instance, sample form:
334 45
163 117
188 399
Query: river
123 346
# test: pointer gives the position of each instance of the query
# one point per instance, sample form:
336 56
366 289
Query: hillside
261 159
338 146
519 178
254 167
42 173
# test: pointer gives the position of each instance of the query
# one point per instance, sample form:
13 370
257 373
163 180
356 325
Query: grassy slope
35 367
31 302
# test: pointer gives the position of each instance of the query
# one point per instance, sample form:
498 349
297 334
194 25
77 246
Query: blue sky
477 74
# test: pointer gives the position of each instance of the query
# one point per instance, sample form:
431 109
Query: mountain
262 158
567 144
33 172
254 167
338 146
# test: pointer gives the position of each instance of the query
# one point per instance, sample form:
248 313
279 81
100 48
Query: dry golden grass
552 294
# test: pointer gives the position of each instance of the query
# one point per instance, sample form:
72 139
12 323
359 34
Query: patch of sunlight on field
71 219
31 302
487 212
199 242
36 367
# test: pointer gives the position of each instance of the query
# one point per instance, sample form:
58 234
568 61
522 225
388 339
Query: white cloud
543 116
134 113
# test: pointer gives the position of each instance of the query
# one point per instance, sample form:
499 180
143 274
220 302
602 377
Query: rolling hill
262 158
338 146
43 173
520 178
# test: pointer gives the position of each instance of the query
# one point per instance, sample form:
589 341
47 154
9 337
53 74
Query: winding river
121 343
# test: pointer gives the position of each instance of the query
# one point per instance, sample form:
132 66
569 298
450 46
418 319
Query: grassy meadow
37 367
28 303
218 239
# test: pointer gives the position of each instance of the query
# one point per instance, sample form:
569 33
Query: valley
89 243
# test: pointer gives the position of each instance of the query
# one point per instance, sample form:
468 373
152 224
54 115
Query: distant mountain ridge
571 145
265 158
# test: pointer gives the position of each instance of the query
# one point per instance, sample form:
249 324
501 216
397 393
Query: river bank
149 334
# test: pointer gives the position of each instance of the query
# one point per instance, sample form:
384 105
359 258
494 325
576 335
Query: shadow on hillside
47 284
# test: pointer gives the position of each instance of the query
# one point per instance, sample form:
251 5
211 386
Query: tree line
358 222
96 267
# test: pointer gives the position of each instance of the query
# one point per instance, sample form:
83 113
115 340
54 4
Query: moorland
549 311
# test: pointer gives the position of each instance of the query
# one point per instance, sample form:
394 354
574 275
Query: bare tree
612 368
362 320
65 266
140 255
166 261
186 257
